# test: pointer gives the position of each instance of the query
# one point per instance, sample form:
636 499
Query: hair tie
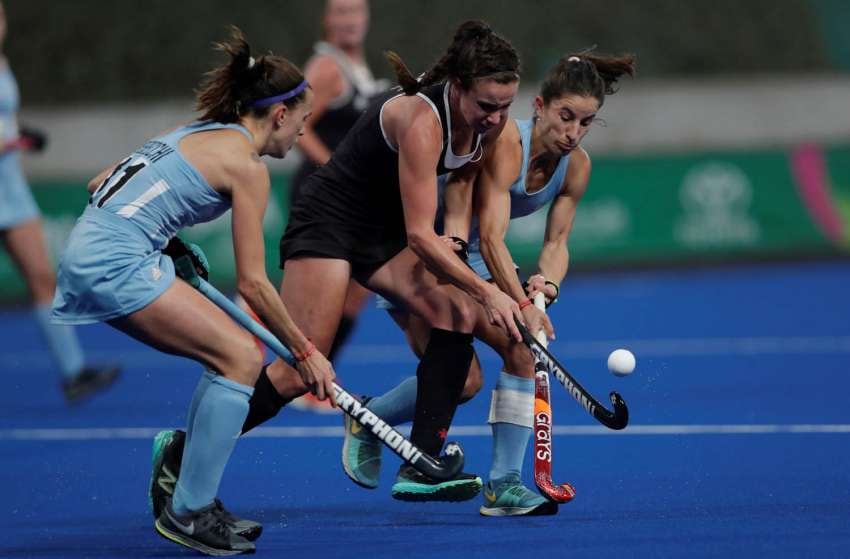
574 59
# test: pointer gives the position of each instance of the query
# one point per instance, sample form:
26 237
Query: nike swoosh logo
187 529
490 496
355 427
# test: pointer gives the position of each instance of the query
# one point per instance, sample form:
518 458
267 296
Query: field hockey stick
564 492
617 419
441 469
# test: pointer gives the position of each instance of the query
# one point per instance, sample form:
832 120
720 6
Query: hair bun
472 29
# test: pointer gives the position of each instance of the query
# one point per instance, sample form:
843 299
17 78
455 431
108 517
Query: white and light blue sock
62 341
511 418
217 424
398 405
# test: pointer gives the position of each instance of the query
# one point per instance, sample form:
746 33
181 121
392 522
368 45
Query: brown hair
227 92
476 52
588 74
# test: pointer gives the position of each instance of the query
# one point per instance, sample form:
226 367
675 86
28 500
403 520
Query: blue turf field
738 445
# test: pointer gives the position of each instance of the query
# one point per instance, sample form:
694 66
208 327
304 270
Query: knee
518 360
454 312
244 361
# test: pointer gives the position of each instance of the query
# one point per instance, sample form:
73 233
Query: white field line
376 354
134 433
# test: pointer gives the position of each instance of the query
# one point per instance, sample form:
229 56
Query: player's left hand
177 248
537 284
503 312
318 374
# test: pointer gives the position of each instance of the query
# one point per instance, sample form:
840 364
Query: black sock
343 332
264 404
439 383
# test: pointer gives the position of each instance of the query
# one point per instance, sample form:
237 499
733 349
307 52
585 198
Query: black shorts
366 240
296 184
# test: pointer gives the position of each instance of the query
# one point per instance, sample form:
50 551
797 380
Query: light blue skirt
109 269
16 202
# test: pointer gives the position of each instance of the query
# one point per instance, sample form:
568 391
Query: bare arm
419 144
555 256
493 208
457 202
250 194
326 81
419 147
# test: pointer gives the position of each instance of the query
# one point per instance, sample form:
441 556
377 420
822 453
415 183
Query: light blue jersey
523 203
16 202
112 265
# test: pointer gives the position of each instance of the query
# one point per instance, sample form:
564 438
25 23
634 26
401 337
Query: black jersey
342 112
351 208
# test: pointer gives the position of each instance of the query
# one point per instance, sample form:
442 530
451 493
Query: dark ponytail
227 92
586 73
476 52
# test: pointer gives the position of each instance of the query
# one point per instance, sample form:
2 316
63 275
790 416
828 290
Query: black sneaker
202 530
411 485
167 457
90 381
248 529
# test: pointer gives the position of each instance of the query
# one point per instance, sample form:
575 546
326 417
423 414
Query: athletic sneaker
167 457
203 530
507 496
361 454
411 485
88 382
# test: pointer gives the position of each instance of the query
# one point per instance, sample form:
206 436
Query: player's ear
279 114
538 106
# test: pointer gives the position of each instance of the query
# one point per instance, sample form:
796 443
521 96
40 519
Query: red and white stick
543 430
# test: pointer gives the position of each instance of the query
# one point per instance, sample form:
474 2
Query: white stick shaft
540 303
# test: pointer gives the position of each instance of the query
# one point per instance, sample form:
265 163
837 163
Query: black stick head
452 460
621 413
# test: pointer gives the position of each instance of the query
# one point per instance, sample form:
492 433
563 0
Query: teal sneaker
507 496
167 457
361 454
411 485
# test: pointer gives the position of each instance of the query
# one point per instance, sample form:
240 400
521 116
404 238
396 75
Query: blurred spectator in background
343 85
23 237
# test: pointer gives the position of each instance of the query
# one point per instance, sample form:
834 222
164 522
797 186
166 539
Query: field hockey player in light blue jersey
532 164
22 235
114 270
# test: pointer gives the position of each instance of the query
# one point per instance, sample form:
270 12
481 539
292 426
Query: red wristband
525 303
307 352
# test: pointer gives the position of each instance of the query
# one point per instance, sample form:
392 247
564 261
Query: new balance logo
167 481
